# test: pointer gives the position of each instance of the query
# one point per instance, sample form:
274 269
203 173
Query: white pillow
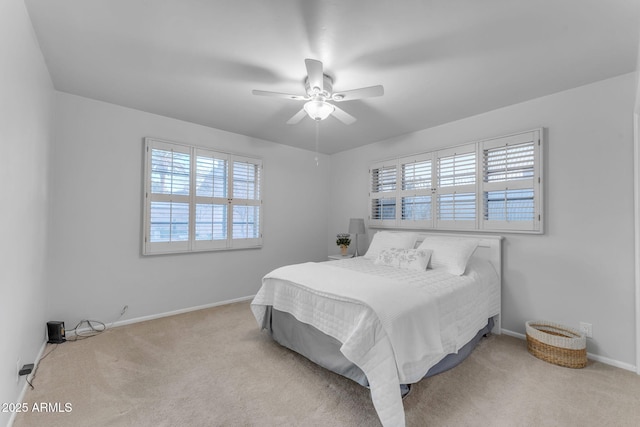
387 240
450 253
409 259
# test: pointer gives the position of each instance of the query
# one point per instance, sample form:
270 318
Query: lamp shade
356 226
318 109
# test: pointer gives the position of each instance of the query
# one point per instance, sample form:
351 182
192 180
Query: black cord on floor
35 370
93 330
99 328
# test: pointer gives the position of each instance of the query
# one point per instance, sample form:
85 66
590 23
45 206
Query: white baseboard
514 334
595 357
165 314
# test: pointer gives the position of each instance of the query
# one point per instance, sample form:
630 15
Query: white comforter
394 324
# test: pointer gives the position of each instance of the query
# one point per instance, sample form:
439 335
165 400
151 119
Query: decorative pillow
387 240
409 259
450 253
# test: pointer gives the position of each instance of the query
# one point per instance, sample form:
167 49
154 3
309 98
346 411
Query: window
456 189
492 185
198 199
383 193
416 192
511 181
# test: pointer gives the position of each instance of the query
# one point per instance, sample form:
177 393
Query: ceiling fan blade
315 73
343 116
365 92
297 117
279 95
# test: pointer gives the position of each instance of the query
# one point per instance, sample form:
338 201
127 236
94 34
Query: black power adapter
26 369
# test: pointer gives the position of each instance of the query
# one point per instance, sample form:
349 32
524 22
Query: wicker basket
557 344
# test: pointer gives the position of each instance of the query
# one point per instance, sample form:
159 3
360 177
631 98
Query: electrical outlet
18 366
587 329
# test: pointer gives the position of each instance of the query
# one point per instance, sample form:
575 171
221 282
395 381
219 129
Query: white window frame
229 201
407 191
456 191
379 192
477 187
533 142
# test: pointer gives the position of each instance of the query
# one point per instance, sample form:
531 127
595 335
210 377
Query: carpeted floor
214 367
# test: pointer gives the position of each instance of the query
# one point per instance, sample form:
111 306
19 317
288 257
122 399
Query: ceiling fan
319 88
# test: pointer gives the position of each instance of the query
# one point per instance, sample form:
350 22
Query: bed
413 306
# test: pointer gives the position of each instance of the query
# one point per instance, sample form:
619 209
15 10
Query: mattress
394 324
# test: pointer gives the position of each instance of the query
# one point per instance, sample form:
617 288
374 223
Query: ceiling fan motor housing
327 89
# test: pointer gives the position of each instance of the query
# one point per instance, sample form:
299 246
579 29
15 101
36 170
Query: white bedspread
394 324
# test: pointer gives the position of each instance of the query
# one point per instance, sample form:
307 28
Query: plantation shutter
167 197
383 193
511 182
490 185
211 200
416 200
456 188
198 199
245 202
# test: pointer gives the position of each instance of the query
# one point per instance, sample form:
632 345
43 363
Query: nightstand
339 256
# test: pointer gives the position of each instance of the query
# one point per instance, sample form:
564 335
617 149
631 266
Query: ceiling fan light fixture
318 90
318 109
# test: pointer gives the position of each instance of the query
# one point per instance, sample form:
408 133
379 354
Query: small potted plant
343 240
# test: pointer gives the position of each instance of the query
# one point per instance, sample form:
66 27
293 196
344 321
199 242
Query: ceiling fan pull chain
317 137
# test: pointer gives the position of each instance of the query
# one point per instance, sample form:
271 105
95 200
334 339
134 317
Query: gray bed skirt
324 350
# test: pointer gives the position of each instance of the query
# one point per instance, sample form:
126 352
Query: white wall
582 268
25 134
96 266
636 144
81 198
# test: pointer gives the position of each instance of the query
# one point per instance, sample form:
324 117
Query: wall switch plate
587 329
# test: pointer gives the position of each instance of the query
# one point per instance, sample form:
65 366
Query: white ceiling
438 60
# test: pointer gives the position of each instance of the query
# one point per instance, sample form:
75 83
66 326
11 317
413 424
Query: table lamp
356 226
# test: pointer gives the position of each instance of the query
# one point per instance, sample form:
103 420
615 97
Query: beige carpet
215 368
